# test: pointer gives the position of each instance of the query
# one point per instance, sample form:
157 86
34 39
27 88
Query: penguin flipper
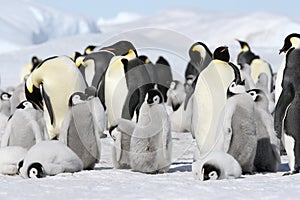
227 130
48 105
285 98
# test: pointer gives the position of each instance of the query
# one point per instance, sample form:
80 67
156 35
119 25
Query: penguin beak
79 62
283 49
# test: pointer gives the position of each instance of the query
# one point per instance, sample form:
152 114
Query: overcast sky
110 8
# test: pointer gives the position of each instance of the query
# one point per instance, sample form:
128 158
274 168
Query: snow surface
174 33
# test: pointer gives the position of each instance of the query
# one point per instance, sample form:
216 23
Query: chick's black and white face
210 172
153 97
236 88
5 96
254 95
78 98
35 170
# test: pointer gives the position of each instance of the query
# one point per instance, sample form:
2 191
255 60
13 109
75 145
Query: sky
110 8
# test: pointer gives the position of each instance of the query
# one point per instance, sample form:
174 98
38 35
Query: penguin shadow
103 168
184 167
283 167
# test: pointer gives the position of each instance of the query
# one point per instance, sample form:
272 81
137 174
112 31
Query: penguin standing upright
267 156
78 131
5 103
59 78
200 57
258 66
151 141
287 110
164 75
25 127
210 98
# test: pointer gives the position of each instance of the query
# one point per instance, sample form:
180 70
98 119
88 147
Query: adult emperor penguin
116 88
164 75
210 98
120 48
216 166
138 83
9 159
121 132
258 66
238 127
25 127
200 57
267 156
151 141
49 157
78 131
287 110
59 78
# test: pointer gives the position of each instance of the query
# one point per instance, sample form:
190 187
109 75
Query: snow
170 34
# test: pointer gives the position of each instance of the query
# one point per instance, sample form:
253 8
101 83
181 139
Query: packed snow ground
180 30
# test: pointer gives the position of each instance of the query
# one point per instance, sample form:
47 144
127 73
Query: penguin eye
232 85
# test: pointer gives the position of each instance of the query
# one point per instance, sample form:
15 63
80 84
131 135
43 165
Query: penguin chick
176 94
5 103
121 132
78 131
25 127
151 142
267 158
216 166
49 157
9 159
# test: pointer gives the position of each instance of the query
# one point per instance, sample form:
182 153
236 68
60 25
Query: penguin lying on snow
151 141
216 166
25 127
79 131
9 159
49 158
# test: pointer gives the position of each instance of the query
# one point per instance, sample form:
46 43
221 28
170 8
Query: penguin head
244 45
5 96
145 59
121 48
291 41
76 55
35 62
77 98
236 87
89 49
36 170
153 97
210 172
221 53
26 104
198 51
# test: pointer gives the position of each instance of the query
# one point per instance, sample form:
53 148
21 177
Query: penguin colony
235 112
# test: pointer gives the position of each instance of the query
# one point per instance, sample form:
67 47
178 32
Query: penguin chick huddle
238 114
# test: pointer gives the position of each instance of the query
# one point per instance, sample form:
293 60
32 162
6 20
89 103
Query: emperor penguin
262 84
25 127
258 66
267 158
116 88
93 67
181 116
200 57
121 132
58 78
151 69
216 166
210 98
9 159
151 141
138 83
245 70
27 69
97 110
119 48
287 110
89 49
164 75
5 103
239 130
49 157
78 131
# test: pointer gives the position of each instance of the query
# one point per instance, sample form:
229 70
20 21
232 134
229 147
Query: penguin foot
291 173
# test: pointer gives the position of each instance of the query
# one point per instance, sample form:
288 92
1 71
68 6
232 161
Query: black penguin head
244 45
5 96
256 94
36 170
210 172
77 98
236 88
145 59
292 40
89 49
35 62
198 50
75 55
26 104
154 96
121 48
90 92
221 53
20 165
